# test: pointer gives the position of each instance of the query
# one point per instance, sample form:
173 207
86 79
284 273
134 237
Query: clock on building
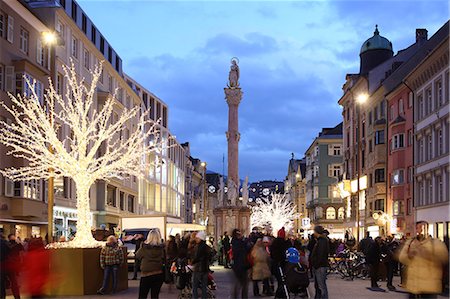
211 189
266 192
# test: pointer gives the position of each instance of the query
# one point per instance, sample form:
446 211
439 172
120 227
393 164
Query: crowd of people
26 259
257 259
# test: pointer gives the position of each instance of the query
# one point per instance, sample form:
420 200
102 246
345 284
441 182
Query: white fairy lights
95 149
275 213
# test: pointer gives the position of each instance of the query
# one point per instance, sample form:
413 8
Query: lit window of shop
331 213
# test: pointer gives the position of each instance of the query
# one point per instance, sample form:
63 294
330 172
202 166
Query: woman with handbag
152 257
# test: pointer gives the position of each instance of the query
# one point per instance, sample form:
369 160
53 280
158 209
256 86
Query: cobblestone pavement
337 289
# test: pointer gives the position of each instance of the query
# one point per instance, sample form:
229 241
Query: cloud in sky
293 59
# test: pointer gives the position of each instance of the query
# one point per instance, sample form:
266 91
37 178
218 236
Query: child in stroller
294 275
183 279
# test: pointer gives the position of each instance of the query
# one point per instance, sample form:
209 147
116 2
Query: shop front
65 222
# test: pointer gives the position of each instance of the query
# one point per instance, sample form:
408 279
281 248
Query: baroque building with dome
363 186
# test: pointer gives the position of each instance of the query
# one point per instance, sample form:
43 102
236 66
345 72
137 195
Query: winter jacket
373 253
364 244
278 250
152 259
201 257
226 244
260 259
319 254
240 251
424 261
111 254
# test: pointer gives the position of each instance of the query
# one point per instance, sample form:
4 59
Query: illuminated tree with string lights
95 149
275 212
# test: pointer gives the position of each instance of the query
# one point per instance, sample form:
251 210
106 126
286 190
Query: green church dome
376 42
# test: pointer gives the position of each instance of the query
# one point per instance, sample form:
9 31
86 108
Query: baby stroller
294 276
183 280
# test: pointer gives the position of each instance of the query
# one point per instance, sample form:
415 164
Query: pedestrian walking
278 255
200 264
220 257
268 283
138 239
365 243
13 264
388 250
240 249
36 273
4 252
424 258
111 257
319 262
373 258
152 258
260 267
226 249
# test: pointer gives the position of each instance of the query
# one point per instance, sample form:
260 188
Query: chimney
421 36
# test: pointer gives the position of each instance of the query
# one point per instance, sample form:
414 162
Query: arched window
341 214
331 213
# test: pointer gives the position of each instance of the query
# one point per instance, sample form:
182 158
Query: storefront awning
24 221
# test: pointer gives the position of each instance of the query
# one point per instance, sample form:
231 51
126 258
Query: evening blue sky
293 60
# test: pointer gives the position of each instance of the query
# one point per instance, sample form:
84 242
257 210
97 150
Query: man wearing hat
201 265
319 262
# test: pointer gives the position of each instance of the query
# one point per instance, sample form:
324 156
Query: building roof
376 42
400 73
296 164
331 133
378 74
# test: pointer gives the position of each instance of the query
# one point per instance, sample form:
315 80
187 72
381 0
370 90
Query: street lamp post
50 39
361 99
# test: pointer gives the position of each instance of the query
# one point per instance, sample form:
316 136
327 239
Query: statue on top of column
233 76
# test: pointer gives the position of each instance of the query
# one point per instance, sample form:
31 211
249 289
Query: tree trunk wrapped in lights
33 136
275 213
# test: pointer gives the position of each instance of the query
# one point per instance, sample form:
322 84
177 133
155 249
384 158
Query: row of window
432 188
20 83
432 98
84 27
399 108
434 144
7 32
124 203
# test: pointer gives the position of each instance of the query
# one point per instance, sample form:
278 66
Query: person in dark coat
373 257
240 249
278 255
388 249
13 263
152 258
4 252
365 243
226 249
200 261
319 262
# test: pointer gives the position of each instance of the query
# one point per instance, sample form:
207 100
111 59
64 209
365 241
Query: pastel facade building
23 208
324 167
429 81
